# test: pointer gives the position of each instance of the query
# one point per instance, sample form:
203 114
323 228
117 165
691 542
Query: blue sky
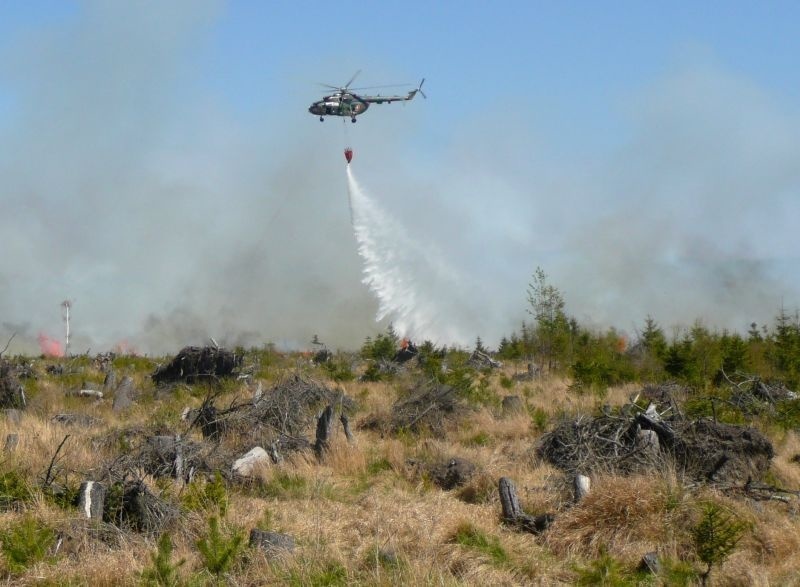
577 59
644 154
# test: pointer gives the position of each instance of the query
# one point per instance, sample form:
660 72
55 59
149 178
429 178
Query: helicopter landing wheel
322 119
353 120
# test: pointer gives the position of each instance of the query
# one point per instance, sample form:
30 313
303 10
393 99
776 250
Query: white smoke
415 286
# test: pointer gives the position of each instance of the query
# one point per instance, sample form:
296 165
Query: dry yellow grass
364 499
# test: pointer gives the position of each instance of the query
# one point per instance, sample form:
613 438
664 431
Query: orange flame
50 347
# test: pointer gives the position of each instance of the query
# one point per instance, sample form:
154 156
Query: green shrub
219 552
14 489
787 414
26 543
64 496
163 572
716 535
539 419
382 347
339 369
207 495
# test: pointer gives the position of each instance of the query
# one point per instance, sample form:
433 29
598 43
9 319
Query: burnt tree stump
324 423
513 514
346 426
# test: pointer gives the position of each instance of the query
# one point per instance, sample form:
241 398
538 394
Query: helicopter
346 102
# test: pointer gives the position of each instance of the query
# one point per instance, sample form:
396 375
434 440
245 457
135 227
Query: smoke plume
170 214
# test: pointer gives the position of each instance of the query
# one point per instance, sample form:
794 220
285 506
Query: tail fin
413 93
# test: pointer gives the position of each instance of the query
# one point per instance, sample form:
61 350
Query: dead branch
5 348
47 478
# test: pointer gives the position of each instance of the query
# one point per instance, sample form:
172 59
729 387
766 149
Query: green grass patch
479 439
25 543
285 486
332 574
609 572
469 536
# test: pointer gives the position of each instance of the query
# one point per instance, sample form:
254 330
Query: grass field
362 514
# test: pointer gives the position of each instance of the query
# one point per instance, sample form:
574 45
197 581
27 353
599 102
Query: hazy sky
160 169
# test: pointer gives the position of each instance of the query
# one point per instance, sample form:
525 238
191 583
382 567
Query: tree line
698 355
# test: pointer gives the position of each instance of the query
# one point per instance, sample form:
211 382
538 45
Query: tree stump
648 441
513 514
513 404
324 423
123 396
452 473
651 562
91 500
110 381
581 485
12 440
271 542
346 426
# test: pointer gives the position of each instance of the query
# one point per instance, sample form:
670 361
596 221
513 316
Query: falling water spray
415 287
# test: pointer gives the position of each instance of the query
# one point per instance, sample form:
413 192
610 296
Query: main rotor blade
352 79
386 86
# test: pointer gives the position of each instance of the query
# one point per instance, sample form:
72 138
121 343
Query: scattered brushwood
168 456
752 395
278 419
668 396
12 396
290 407
428 407
481 360
132 505
321 357
635 440
194 364
103 361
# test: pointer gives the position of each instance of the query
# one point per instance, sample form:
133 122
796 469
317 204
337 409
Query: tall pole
65 306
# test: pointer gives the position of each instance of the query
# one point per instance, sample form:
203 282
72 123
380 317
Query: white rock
256 457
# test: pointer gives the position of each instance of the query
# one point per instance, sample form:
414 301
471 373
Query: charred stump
11 393
324 424
346 426
513 514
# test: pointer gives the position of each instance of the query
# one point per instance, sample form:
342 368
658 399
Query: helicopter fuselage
339 105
